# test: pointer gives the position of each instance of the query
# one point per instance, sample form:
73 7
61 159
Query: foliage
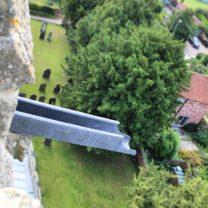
191 156
134 76
164 145
200 64
150 189
181 24
75 10
47 11
190 127
201 137
116 14
202 15
55 3
125 72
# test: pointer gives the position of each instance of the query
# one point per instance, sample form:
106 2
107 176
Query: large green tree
134 75
151 190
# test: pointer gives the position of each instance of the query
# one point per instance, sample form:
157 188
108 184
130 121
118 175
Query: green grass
48 55
72 177
44 3
195 4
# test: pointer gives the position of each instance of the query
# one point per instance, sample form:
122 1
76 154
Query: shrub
190 127
37 9
165 145
191 156
201 137
151 190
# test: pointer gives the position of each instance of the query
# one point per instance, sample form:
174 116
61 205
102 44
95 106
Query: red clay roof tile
198 90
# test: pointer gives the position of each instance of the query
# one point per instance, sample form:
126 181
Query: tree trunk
140 157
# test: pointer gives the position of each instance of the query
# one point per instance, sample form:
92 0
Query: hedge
44 10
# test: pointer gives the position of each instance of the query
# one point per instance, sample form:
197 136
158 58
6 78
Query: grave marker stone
43 30
42 87
47 73
42 99
50 34
57 89
22 94
52 101
47 142
33 97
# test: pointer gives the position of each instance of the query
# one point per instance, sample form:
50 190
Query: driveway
191 52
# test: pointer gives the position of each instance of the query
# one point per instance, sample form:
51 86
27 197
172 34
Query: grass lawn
44 3
71 177
48 55
195 4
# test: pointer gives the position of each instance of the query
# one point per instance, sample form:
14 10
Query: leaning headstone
52 101
47 73
42 99
57 89
33 97
50 34
22 95
43 30
42 87
47 142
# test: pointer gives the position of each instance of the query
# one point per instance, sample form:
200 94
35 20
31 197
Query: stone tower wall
15 70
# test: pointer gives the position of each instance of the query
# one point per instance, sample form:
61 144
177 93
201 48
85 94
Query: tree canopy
74 10
115 14
134 76
150 189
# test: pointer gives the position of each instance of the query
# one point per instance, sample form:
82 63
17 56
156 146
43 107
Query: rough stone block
52 101
22 95
42 87
33 97
57 89
47 73
42 99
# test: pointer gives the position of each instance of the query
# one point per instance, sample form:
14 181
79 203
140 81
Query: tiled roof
194 111
198 90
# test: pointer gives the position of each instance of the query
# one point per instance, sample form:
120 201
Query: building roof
198 89
193 110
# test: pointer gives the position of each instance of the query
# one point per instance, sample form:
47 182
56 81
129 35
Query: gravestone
42 99
50 34
57 89
42 87
43 30
47 73
47 142
33 97
22 95
52 101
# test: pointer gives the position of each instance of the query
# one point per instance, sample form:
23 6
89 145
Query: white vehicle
194 42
